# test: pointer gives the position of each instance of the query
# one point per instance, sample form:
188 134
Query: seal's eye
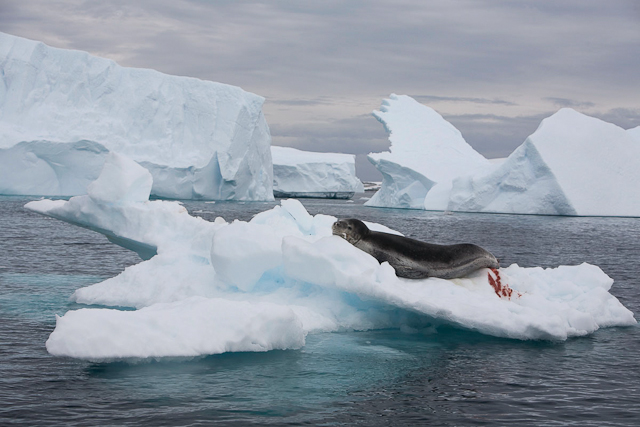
349 227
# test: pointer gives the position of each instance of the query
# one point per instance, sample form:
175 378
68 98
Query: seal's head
352 230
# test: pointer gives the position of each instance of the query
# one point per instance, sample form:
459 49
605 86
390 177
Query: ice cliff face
50 168
425 150
572 165
199 139
299 173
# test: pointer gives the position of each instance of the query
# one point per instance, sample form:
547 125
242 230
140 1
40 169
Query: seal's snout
338 229
347 229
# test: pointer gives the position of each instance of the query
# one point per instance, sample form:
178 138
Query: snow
425 150
298 173
62 111
214 287
122 180
572 164
50 168
187 328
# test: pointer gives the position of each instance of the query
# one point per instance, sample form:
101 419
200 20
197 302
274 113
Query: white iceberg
572 164
298 173
50 168
121 181
62 111
186 328
213 287
425 150
634 133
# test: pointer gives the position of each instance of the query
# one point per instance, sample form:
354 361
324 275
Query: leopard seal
414 259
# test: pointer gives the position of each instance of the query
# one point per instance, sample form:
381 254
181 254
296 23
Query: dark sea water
388 377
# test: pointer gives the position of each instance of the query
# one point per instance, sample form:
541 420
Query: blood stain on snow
500 289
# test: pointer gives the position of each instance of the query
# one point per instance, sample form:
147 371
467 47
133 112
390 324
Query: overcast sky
492 68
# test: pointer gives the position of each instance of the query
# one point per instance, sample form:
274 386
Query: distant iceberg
425 150
298 173
215 287
62 111
572 164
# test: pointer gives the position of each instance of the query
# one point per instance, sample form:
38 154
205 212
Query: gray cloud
626 118
301 102
359 135
493 135
342 47
433 99
564 102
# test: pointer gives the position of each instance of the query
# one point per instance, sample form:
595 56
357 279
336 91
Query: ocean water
443 377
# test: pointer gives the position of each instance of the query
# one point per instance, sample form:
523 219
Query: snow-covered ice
50 168
298 173
62 111
121 181
425 150
572 164
212 287
185 328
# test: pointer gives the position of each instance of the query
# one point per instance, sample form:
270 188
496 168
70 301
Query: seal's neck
356 242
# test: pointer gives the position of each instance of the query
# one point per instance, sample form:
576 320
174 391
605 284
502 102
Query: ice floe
212 287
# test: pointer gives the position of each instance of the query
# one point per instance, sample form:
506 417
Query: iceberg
213 287
50 169
62 111
121 181
634 133
425 150
298 173
572 164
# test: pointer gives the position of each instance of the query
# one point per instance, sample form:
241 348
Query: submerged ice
213 287
62 111
572 164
